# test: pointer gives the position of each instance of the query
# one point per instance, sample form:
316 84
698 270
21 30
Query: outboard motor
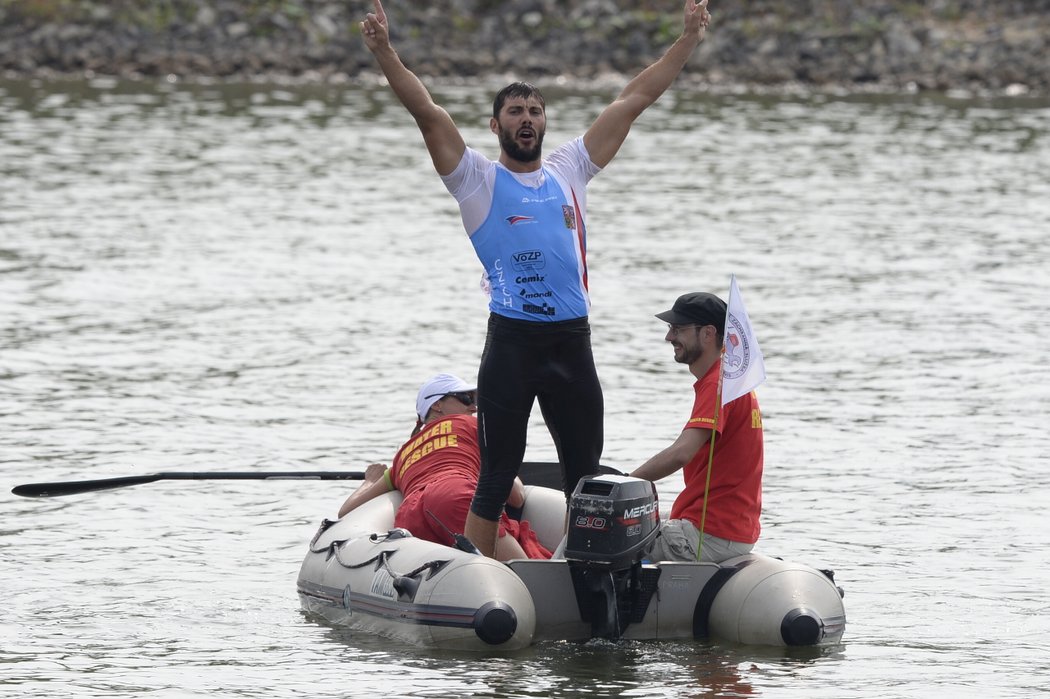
612 521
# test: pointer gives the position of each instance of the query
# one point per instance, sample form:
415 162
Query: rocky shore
976 45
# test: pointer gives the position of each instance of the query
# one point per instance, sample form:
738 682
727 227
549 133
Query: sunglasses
465 397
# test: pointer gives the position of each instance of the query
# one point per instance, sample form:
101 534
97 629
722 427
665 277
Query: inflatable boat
363 573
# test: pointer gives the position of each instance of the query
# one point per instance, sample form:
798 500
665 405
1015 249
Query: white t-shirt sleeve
573 162
472 183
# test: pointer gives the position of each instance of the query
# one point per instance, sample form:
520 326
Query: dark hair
518 89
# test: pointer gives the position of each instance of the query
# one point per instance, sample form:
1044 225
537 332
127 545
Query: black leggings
522 362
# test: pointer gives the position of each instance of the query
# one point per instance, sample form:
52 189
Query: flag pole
711 453
751 373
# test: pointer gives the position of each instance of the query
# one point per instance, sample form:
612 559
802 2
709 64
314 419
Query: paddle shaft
547 474
50 490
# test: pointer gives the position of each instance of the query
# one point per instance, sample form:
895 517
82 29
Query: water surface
223 277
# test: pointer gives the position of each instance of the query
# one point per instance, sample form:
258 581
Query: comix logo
513 220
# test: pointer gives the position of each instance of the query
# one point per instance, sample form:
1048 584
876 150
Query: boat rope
380 560
332 547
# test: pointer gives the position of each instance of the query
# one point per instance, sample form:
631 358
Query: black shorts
523 362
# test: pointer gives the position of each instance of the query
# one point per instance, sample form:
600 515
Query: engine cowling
612 521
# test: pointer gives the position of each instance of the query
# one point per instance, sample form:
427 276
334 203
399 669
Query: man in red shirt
696 326
437 472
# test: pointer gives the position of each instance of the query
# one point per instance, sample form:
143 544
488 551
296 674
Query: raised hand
697 17
375 30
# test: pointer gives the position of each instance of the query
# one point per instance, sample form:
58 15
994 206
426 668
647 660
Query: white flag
742 365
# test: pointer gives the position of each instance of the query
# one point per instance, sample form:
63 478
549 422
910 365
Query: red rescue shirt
735 496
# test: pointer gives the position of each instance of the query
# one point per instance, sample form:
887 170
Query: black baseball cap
699 308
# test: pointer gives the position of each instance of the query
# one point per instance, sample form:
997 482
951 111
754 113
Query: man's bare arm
608 132
442 137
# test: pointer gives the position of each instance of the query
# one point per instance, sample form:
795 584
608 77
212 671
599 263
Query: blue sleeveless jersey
533 245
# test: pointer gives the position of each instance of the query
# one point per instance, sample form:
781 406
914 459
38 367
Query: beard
686 355
512 149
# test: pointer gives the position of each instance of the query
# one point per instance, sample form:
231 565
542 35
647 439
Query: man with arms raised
526 217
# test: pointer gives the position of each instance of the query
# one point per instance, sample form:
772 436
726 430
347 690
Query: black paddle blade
548 474
52 490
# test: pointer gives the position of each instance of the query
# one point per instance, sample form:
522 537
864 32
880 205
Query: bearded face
520 126
524 144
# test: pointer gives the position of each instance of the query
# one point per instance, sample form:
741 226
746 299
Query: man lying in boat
437 471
